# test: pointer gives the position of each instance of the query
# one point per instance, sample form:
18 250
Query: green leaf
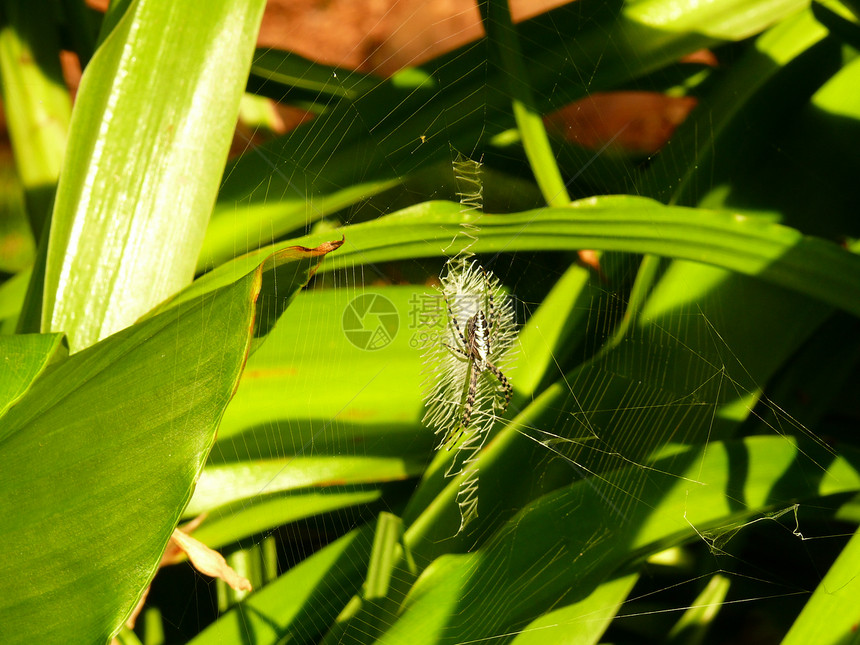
770 252
566 543
693 626
12 295
303 602
222 484
17 244
280 458
23 358
98 459
554 329
375 404
728 106
831 614
285 271
303 79
233 522
839 21
580 623
496 18
150 132
383 556
36 101
371 134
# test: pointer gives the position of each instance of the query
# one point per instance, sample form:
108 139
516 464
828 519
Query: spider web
623 385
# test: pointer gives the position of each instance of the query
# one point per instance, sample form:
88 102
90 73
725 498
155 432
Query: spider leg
451 439
491 305
470 397
457 350
506 386
452 319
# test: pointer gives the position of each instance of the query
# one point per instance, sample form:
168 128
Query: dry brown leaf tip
208 561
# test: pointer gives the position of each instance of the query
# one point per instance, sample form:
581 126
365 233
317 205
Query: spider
475 347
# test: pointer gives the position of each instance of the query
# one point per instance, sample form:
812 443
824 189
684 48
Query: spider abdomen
478 340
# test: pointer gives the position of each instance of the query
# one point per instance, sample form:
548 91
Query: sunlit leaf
149 137
98 459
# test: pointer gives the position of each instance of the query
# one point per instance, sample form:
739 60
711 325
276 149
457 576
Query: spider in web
475 347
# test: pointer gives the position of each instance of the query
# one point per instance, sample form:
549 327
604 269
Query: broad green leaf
306 443
770 252
502 35
232 523
12 295
304 262
150 132
831 615
35 100
17 244
678 172
839 20
693 626
819 121
285 271
117 362
583 622
23 358
374 406
372 135
383 555
303 602
573 538
290 77
98 459
253 480
551 327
